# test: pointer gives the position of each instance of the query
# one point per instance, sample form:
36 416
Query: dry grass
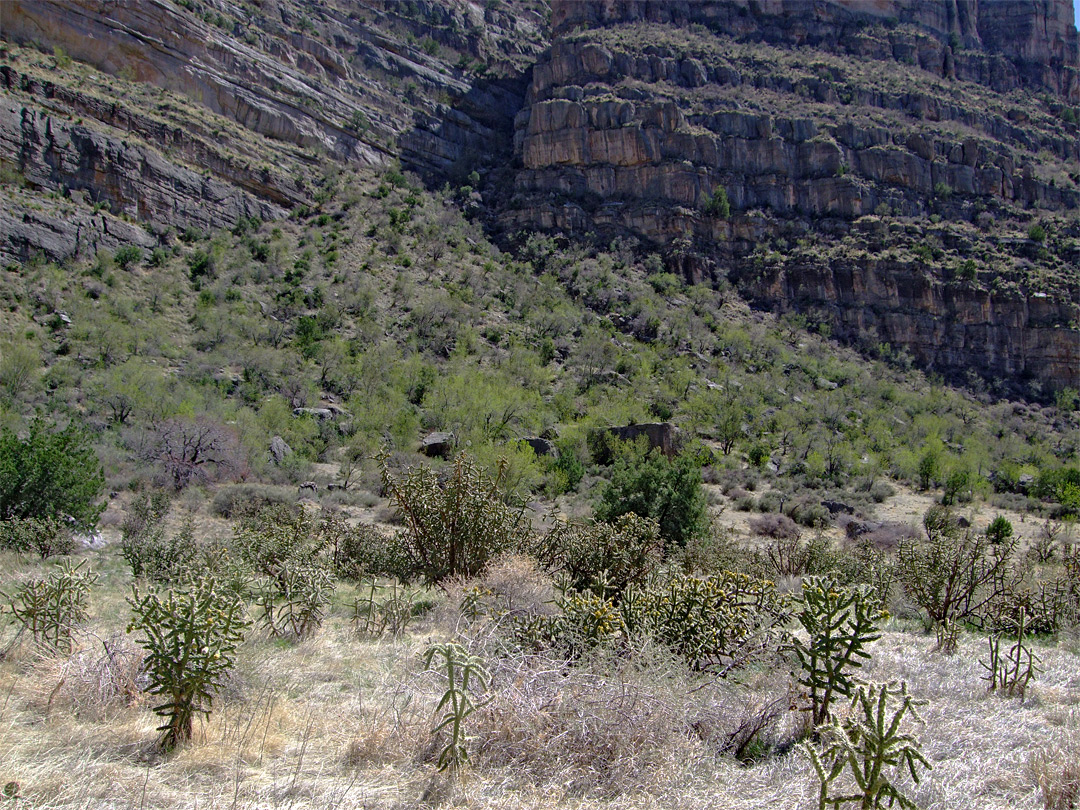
346 723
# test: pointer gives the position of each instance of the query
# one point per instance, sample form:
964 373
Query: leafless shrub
97 681
199 450
610 725
776 526
601 733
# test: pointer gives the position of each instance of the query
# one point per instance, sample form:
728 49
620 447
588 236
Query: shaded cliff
852 130
260 100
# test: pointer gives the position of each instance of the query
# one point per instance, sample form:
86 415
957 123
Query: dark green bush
128 255
999 531
45 537
717 205
50 474
668 490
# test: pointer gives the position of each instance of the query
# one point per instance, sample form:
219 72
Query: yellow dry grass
339 721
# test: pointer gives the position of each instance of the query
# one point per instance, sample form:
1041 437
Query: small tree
196 451
654 486
951 574
50 474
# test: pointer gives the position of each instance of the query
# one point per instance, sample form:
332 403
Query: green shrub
566 472
717 204
128 255
190 638
668 490
999 531
45 537
718 623
199 265
602 557
50 474
454 525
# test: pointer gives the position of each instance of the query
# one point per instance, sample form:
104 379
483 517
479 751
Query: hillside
905 177
354 303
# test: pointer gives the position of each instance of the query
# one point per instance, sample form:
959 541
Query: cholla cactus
294 604
717 622
465 674
50 608
1009 673
190 638
871 748
840 622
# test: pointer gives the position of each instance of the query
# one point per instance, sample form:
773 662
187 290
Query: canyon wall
820 123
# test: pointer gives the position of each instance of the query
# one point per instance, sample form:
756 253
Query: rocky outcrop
944 324
711 129
1005 45
256 100
125 178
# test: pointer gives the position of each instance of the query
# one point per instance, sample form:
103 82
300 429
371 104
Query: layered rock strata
651 119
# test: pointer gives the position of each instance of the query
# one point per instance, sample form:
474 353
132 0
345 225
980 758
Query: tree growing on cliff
717 204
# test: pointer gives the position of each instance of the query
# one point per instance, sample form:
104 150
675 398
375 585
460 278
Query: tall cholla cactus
840 621
871 747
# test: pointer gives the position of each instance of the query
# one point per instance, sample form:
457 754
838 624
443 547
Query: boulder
279 449
438 445
662 436
542 446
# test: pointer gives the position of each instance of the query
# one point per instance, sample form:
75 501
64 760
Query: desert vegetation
329 511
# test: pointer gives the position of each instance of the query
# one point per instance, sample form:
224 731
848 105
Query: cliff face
884 161
235 110
815 121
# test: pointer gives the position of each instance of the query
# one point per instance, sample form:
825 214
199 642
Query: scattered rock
438 445
542 446
662 436
279 449
837 508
